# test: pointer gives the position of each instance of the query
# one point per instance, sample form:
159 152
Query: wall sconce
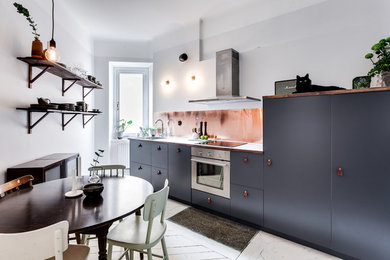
193 78
183 57
166 83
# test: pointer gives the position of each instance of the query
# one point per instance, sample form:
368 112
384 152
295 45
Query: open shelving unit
87 116
60 71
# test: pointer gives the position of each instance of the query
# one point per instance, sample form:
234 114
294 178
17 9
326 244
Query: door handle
245 160
178 150
140 168
158 172
208 200
340 171
269 162
140 145
158 148
245 193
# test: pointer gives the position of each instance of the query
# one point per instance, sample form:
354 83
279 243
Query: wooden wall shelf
60 71
87 116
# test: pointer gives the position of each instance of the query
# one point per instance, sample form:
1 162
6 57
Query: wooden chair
14 185
45 243
102 169
137 234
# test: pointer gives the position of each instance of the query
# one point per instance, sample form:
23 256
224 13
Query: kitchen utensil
43 101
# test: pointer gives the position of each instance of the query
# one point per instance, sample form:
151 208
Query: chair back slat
37 244
111 167
155 204
14 185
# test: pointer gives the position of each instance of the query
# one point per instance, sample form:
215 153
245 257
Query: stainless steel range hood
228 84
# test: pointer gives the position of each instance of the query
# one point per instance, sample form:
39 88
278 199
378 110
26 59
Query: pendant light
51 52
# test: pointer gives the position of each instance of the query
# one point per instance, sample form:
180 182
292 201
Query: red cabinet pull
158 148
140 145
245 193
340 171
269 162
208 200
140 168
178 150
158 172
245 160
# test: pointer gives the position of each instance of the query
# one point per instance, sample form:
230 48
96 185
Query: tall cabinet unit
179 164
361 175
297 181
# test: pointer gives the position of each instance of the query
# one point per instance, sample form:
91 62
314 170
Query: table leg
138 213
101 234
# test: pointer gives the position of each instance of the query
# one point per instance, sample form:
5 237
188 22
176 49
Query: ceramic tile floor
183 244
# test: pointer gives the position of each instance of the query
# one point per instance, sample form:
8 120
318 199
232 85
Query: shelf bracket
29 116
67 122
85 95
30 79
63 85
89 119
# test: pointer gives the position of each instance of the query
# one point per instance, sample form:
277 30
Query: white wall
327 40
75 47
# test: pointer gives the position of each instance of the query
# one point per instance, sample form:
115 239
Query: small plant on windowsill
94 178
122 126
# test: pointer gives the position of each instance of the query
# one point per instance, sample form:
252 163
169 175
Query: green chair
102 169
141 233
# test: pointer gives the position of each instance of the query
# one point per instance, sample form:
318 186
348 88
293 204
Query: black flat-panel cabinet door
297 184
179 164
361 175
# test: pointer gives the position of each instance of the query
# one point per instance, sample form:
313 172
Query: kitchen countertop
248 147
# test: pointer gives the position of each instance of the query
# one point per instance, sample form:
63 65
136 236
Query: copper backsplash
239 124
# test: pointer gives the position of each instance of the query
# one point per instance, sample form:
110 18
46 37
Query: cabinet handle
208 200
158 148
158 172
269 162
245 193
340 171
245 160
140 145
178 150
140 168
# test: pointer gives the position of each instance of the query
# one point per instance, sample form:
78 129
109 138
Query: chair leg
131 255
127 255
150 257
164 248
141 256
109 253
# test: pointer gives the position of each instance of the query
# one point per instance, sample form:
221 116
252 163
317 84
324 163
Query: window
131 97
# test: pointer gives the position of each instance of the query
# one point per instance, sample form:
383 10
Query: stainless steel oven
211 171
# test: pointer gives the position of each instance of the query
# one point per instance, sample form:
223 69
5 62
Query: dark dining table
45 204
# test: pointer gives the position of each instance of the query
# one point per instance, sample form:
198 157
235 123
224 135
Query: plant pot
36 49
120 135
381 80
386 79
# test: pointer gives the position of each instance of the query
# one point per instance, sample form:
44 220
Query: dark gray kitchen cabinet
361 175
179 164
211 201
246 203
140 151
141 170
159 175
246 169
297 180
159 155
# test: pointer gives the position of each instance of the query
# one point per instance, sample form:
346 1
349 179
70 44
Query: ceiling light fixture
51 52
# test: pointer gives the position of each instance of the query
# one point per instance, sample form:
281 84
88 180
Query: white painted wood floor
183 244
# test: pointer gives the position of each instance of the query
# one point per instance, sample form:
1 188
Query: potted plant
37 49
381 69
94 178
123 125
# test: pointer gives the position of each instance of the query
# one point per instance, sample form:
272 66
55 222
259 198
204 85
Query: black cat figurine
304 85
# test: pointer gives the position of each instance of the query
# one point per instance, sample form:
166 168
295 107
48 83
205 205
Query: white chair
46 243
138 233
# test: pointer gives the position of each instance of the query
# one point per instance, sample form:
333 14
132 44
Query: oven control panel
210 153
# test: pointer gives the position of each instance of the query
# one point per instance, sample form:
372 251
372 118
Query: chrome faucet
162 126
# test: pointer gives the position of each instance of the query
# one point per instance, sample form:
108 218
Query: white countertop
249 147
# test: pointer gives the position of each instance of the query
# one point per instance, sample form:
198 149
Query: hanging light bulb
51 52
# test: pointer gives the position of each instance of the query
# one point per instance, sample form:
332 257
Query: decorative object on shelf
36 49
74 192
122 126
43 101
94 178
361 82
380 73
304 85
183 57
285 87
83 105
51 52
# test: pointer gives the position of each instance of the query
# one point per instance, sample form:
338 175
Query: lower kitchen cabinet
246 204
179 165
210 201
141 170
158 178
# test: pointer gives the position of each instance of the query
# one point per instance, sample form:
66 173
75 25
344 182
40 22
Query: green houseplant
37 49
123 124
381 62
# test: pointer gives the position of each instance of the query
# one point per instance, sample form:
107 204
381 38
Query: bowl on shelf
93 189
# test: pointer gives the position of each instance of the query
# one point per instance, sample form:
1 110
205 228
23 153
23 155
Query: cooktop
222 143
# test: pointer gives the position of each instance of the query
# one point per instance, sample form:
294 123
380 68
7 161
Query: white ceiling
146 19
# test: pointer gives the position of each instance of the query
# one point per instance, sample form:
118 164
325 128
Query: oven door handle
213 162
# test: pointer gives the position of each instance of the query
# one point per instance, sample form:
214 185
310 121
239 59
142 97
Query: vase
36 49
94 178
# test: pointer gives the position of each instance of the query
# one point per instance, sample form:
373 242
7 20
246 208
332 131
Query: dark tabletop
45 204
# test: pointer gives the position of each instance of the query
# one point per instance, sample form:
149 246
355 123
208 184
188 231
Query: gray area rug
225 231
